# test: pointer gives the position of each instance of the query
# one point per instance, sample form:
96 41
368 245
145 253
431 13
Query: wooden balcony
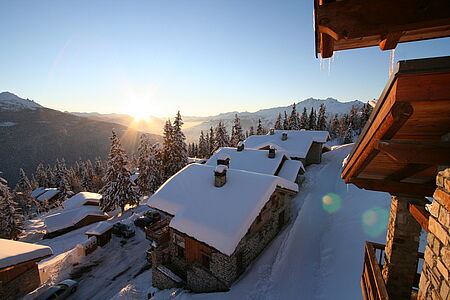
159 231
372 283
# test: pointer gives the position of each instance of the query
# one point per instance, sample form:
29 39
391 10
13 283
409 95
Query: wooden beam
416 152
391 40
326 45
420 214
394 187
407 171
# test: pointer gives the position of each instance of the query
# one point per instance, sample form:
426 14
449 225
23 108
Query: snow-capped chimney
272 131
272 152
220 175
240 146
223 159
284 136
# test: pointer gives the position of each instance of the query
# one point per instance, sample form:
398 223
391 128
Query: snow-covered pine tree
260 129
333 127
62 180
150 177
294 123
343 126
211 141
117 191
11 219
41 176
221 137
203 149
312 119
23 185
322 118
236 132
285 121
354 118
348 137
86 177
366 110
252 131
22 193
278 123
178 147
304 121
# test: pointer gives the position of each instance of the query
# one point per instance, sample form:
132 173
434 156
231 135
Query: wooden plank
380 285
420 214
416 152
394 187
326 45
406 172
366 23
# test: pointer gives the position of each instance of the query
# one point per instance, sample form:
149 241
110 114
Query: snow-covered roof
37 192
252 160
196 160
290 169
296 145
100 228
217 216
70 217
14 252
48 194
134 177
81 199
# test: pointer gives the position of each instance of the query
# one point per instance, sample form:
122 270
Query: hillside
41 135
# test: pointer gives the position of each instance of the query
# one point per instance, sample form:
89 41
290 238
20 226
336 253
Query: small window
205 259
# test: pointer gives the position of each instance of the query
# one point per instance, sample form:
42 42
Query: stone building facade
434 280
205 269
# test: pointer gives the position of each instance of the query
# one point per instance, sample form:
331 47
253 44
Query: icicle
391 66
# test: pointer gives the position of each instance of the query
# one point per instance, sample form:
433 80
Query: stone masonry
402 243
435 272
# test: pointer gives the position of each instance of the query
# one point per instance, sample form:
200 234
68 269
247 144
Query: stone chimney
284 136
272 152
220 175
223 159
240 146
272 131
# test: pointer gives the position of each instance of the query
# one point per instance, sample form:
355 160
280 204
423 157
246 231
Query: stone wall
21 285
201 280
435 272
161 281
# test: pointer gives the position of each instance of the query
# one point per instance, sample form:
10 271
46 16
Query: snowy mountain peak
12 102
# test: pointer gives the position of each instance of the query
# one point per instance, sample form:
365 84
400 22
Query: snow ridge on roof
70 217
100 228
48 194
14 252
290 169
297 144
217 216
80 199
251 160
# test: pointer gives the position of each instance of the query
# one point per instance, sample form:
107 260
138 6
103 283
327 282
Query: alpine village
315 204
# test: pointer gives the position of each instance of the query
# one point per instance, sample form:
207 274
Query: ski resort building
303 145
405 150
220 220
270 162
19 272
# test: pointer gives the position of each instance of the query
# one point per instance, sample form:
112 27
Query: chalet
82 198
19 272
45 194
303 145
102 231
71 219
220 220
270 162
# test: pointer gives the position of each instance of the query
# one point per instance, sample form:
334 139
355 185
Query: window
178 240
180 251
205 259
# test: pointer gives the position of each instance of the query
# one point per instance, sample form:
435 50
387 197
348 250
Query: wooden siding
193 250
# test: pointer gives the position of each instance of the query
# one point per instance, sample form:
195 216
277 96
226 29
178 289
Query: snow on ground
320 253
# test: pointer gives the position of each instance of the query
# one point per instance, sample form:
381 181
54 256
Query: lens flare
331 203
374 221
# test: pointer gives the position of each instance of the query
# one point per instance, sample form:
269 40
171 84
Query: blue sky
202 57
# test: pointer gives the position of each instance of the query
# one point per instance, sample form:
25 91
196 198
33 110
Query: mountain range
31 134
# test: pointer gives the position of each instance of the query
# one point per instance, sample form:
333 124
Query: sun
139 110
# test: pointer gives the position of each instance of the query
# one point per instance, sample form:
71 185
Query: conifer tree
312 120
117 191
11 219
252 131
322 118
150 167
211 141
294 122
41 176
304 121
333 127
278 123
203 149
62 180
178 147
285 121
366 110
354 118
348 136
260 129
236 132
221 137
22 195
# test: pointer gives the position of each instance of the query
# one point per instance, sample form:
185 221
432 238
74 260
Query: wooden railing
159 231
372 282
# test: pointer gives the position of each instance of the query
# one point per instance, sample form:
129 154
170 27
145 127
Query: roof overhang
350 24
404 140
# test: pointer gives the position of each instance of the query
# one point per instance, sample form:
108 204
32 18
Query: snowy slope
320 254
11 102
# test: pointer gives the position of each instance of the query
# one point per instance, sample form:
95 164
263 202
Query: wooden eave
401 145
350 24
